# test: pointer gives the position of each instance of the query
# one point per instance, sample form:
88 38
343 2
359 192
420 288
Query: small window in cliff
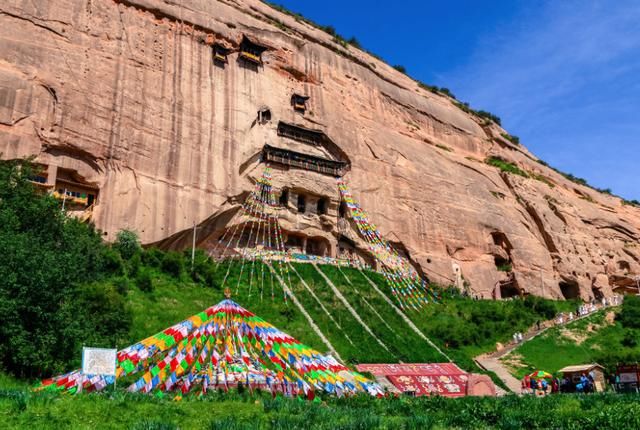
299 102
220 54
302 203
284 197
322 206
251 50
264 115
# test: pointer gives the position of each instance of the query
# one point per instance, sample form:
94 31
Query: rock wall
125 94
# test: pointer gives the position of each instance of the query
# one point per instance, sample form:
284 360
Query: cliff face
123 98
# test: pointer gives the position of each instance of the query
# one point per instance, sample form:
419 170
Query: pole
193 246
64 199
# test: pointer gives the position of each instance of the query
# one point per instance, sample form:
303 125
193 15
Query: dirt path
491 361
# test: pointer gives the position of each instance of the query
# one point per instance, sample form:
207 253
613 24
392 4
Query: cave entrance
570 290
597 293
509 290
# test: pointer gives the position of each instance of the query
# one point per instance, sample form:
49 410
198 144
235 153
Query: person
555 385
533 385
538 325
526 382
543 386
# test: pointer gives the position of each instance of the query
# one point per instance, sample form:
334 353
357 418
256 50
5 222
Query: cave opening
509 290
569 289
302 203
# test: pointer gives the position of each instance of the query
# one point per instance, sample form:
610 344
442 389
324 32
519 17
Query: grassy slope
552 350
172 301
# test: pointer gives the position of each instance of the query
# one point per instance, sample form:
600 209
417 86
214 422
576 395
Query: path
491 361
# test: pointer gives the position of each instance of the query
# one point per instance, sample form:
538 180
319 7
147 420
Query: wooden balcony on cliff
299 102
220 53
299 160
301 134
251 50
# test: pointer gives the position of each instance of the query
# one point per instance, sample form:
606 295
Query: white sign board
99 361
626 378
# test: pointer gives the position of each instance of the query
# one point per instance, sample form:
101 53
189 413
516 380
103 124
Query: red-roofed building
425 379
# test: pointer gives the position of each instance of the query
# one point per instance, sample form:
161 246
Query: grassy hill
600 338
461 327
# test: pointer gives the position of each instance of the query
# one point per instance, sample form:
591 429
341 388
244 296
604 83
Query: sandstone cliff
123 98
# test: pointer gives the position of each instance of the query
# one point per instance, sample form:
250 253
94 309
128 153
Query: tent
219 348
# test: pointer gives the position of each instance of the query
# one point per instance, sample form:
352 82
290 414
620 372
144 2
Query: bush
506 166
152 257
127 243
400 68
134 264
629 316
122 285
513 139
630 339
144 281
172 264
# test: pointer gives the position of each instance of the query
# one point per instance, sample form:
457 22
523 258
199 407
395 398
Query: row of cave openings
509 287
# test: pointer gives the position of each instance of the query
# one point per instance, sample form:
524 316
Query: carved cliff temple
299 102
299 160
251 50
297 243
77 195
220 53
301 134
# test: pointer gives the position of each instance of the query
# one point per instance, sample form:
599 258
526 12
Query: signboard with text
99 361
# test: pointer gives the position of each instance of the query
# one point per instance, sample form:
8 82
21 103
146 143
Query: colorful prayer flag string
222 346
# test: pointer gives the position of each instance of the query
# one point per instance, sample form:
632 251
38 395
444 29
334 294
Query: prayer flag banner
223 346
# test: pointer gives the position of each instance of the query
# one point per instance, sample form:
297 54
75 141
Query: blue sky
564 76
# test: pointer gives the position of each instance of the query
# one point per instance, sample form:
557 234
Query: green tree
46 256
127 243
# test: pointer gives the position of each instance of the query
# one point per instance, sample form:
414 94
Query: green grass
463 328
552 350
506 166
233 410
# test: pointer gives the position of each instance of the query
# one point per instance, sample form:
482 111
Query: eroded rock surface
124 96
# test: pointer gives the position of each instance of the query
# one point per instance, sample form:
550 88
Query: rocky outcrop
125 95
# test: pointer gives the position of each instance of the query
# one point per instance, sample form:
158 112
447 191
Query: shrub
127 243
134 264
354 42
629 316
506 166
152 257
489 116
505 267
112 262
513 139
122 285
144 281
630 339
400 68
172 264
